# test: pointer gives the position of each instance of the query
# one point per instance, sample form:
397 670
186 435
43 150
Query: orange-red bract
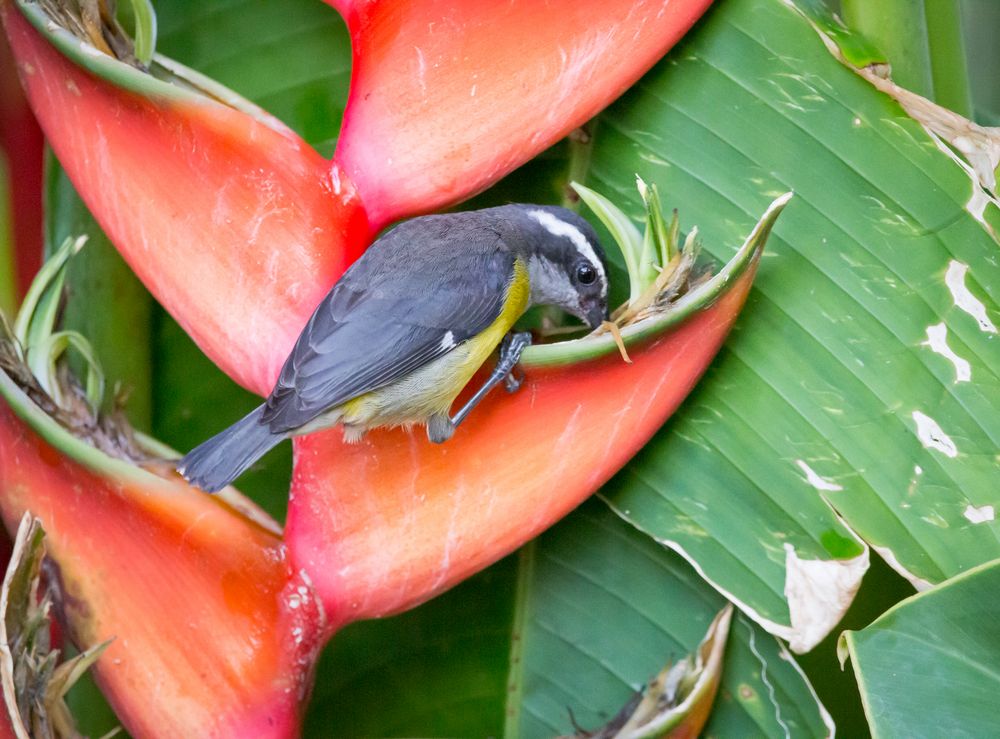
232 221
392 520
447 96
214 633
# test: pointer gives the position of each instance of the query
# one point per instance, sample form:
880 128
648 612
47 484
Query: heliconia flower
204 183
212 612
390 521
212 633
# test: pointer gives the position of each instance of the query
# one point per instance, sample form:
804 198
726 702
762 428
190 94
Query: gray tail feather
220 460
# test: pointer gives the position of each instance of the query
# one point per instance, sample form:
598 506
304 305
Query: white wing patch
557 227
448 341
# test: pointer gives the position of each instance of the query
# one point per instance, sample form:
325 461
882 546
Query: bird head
566 263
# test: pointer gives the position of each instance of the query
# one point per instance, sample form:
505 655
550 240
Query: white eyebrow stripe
557 227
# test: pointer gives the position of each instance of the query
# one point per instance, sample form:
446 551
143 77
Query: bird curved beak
594 313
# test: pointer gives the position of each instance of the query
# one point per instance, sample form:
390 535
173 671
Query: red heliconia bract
447 96
213 633
230 219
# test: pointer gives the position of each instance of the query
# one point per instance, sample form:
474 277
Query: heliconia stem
21 145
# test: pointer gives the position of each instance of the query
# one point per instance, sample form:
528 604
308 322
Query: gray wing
380 323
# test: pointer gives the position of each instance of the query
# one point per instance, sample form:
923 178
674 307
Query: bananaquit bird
408 325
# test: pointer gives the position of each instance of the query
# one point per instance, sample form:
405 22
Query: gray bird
408 325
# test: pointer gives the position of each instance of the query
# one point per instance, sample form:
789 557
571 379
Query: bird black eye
586 274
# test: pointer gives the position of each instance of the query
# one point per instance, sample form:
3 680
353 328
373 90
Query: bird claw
513 383
510 353
511 348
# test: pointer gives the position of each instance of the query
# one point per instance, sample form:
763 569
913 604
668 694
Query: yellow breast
433 388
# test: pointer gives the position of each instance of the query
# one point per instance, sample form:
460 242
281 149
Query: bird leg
510 353
440 428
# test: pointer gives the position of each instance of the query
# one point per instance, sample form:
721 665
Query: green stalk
105 302
581 143
145 30
947 56
8 282
899 29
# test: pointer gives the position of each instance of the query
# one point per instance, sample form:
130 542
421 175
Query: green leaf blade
831 399
606 608
932 660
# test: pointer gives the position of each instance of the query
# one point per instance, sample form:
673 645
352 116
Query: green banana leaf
928 666
856 402
980 20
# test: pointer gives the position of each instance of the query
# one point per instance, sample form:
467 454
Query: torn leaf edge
951 133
